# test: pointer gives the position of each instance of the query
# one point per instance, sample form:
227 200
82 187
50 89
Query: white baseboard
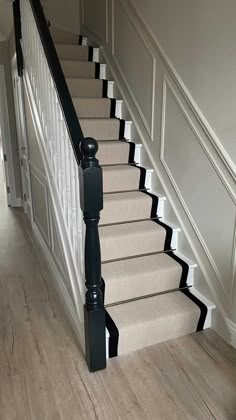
232 330
60 286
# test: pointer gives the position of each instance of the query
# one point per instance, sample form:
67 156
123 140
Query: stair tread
141 276
85 79
91 101
72 46
130 239
145 322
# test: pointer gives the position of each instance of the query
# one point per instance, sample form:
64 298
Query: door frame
12 200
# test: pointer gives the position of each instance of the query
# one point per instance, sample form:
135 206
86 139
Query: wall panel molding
167 87
45 231
219 276
184 90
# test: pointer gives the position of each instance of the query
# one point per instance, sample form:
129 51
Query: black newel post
91 196
18 36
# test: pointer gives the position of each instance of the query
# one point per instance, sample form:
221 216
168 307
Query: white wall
63 14
191 164
199 38
6 19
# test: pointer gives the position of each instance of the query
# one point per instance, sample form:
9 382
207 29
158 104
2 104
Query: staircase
147 293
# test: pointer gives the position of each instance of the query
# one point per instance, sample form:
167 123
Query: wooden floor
43 374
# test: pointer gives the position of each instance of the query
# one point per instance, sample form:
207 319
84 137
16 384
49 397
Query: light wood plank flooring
43 374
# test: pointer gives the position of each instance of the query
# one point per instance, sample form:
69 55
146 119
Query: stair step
130 239
92 107
74 52
138 277
121 207
83 69
60 36
85 88
121 178
149 321
113 152
101 128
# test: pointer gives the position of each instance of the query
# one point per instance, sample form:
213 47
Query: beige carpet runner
145 291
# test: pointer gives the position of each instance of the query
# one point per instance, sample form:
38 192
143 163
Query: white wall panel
190 144
56 244
40 205
204 195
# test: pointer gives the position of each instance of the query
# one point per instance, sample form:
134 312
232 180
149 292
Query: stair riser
78 69
131 288
131 244
97 108
113 154
74 52
116 181
101 129
125 210
82 88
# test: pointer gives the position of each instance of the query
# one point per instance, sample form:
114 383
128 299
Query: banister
79 188
91 201
71 118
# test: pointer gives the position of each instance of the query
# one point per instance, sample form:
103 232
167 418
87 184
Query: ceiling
6 19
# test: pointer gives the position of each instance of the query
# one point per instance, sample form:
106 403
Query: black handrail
71 118
17 26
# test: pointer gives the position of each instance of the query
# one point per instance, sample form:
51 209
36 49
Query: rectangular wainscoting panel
135 61
94 17
40 205
204 195
57 251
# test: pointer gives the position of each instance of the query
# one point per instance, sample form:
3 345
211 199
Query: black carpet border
104 88
97 70
112 329
203 308
113 108
185 269
90 53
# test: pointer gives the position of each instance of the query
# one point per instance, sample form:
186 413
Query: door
22 138
5 144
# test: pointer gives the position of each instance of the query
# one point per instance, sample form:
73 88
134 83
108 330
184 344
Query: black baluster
91 197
